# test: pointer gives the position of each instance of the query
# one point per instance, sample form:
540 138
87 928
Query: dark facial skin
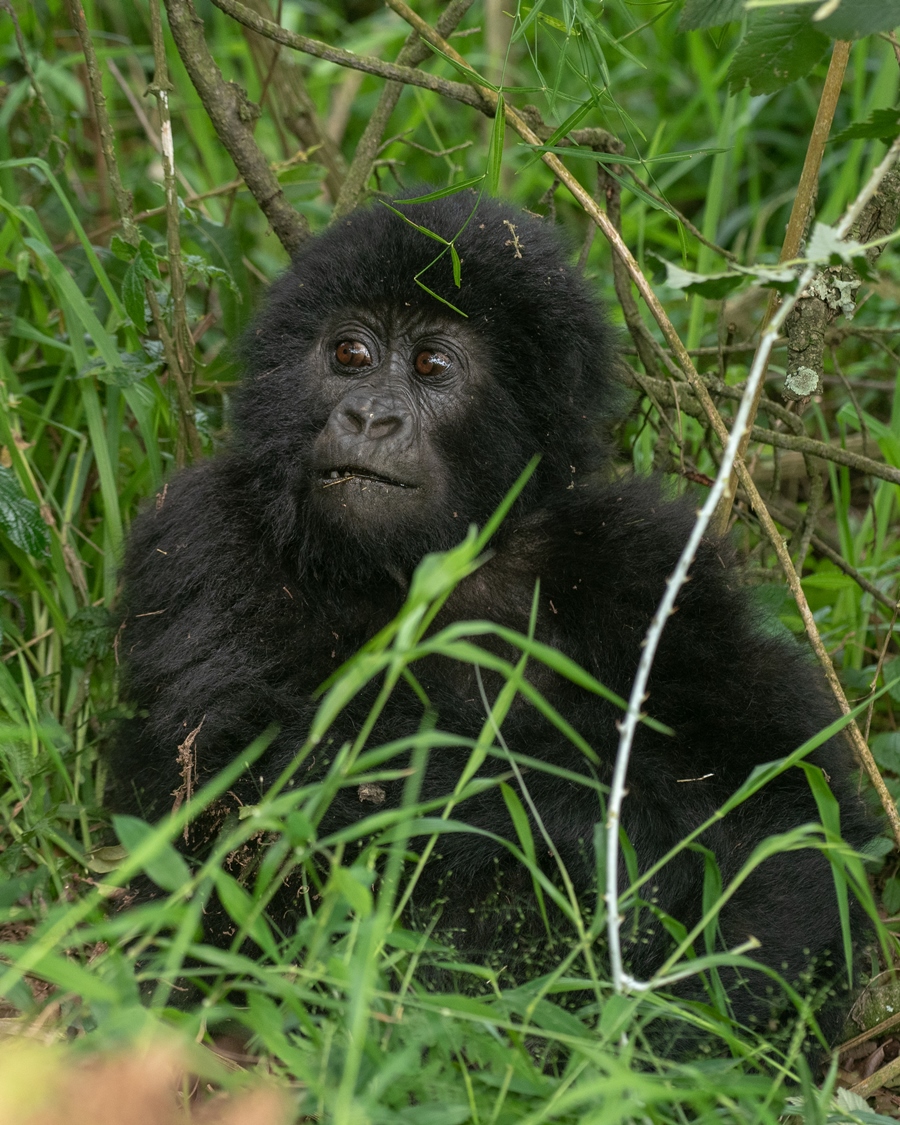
390 385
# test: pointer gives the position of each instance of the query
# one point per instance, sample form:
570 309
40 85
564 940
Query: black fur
248 584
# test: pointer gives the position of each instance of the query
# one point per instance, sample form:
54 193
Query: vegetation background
157 165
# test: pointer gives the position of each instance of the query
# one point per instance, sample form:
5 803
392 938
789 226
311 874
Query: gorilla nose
375 423
373 417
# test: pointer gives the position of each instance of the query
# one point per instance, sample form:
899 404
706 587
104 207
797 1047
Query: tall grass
346 1007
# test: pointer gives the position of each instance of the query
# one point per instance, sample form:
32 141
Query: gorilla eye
432 363
352 353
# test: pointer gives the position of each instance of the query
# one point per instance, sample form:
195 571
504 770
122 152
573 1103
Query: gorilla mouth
353 472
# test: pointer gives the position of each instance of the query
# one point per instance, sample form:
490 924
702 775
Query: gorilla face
380 417
391 386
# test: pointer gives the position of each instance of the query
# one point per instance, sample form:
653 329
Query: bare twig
6 5
804 201
285 87
793 521
231 113
413 52
458 91
180 348
124 202
664 391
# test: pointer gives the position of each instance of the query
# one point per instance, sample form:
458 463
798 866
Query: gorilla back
377 420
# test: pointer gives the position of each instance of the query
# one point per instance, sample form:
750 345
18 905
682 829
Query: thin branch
804 201
232 114
300 157
413 52
123 198
664 391
791 521
180 349
458 91
284 85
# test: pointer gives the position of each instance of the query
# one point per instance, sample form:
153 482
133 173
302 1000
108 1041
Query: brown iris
352 353
432 363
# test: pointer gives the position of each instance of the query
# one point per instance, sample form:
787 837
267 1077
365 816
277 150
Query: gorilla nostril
373 424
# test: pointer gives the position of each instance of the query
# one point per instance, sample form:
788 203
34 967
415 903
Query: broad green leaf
357 894
781 45
880 125
20 518
885 749
133 295
90 633
147 257
241 908
709 13
853 19
165 867
106 859
828 580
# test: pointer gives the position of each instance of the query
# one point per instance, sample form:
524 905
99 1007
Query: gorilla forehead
516 286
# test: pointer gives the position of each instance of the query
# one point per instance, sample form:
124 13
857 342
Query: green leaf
709 13
123 250
890 896
880 125
166 867
853 19
106 859
457 265
90 634
885 749
240 908
20 518
67 974
523 830
616 1015
440 193
19 886
781 45
133 295
134 368
353 889
149 264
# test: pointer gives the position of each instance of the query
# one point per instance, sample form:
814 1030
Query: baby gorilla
378 419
